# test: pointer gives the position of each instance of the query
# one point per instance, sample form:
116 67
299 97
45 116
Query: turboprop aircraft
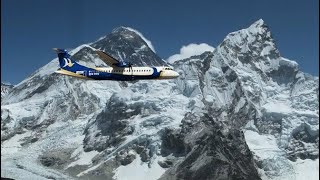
118 70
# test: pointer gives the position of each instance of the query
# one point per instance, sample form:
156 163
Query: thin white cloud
190 50
146 40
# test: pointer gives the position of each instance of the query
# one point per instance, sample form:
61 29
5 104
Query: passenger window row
127 71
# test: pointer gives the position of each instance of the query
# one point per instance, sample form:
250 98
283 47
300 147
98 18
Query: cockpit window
167 68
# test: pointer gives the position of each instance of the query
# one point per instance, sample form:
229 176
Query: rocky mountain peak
258 24
125 32
251 49
122 29
119 29
256 35
130 45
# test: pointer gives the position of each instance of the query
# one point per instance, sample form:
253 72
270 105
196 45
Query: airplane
118 70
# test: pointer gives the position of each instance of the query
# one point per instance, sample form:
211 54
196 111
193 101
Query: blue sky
30 29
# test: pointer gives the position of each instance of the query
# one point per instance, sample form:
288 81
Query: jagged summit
128 43
119 29
126 32
258 31
258 23
253 45
129 32
259 28
124 29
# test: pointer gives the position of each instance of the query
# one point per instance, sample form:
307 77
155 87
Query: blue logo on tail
64 58
67 62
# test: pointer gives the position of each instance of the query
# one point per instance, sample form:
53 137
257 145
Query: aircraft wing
108 59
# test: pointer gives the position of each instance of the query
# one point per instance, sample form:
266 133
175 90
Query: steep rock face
208 152
211 123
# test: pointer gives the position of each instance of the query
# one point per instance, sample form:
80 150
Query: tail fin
68 66
64 58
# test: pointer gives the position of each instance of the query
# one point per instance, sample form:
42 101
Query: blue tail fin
68 66
64 58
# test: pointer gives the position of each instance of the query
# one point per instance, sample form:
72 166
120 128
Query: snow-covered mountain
239 112
5 88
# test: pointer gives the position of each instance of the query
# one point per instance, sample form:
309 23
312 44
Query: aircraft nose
175 74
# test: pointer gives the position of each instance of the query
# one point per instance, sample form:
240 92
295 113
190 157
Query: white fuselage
166 72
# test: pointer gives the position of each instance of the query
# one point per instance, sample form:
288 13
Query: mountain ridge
207 124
